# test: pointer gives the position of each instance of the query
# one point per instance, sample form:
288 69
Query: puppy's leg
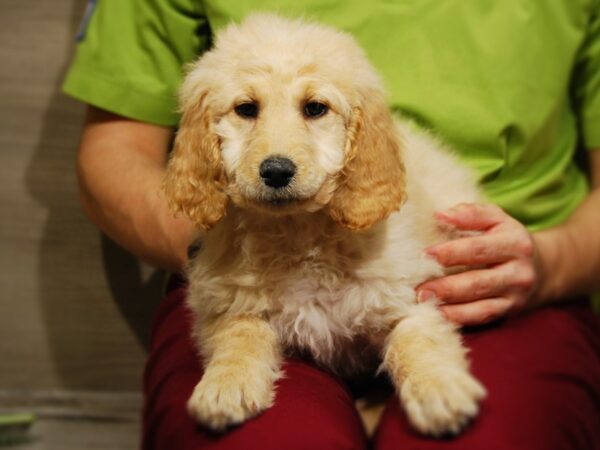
243 360
428 365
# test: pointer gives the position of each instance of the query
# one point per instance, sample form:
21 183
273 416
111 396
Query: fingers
512 278
479 312
465 287
484 249
473 216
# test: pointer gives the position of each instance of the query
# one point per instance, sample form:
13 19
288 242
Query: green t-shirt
512 85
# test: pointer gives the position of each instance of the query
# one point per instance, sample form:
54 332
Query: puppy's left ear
372 183
195 182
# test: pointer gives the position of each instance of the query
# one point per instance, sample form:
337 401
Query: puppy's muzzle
277 172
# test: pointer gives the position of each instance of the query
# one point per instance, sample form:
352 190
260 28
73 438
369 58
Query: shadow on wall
97 342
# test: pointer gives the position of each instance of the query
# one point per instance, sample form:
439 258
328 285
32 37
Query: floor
77 421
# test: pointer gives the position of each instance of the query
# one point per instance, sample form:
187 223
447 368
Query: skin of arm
120 166
517 270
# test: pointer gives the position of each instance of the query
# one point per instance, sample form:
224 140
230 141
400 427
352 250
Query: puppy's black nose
277 172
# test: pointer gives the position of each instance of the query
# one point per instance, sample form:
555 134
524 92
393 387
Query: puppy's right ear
195 182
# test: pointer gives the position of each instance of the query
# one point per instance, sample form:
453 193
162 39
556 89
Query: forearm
569 255
120 169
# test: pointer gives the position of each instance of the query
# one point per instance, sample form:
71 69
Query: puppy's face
282 137
285 117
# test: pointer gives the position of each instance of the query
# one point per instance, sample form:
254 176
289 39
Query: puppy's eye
247 110
313 110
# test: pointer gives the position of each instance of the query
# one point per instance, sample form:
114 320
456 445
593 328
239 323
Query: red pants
542 372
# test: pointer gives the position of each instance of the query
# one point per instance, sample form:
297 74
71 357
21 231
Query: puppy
315 207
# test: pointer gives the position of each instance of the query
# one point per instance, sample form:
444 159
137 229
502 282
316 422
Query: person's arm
120 166
570 254
520 270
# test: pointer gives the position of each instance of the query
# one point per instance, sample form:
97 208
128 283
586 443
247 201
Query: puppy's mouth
278 200
282 201
279 197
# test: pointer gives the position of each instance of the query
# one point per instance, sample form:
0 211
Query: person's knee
307 415
172 434
534 428
306 439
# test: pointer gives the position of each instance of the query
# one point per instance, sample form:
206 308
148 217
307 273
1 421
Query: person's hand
504 271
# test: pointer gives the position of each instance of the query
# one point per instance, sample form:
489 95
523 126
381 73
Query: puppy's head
283 116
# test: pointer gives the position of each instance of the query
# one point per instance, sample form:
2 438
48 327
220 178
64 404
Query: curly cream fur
329 264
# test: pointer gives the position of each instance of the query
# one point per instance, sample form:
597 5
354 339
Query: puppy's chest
297 273
312 273
313 277
321 303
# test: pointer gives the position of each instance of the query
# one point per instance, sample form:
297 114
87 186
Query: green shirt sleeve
131 56
587 83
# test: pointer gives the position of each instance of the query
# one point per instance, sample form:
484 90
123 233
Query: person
514 87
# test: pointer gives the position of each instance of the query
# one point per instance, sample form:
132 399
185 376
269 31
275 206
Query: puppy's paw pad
441 404
219 402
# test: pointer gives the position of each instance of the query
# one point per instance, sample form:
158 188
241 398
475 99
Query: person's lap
542 372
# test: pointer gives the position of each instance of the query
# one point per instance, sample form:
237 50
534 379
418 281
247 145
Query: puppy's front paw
222 399
441 403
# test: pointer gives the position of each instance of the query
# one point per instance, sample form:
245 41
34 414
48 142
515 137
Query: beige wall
74 308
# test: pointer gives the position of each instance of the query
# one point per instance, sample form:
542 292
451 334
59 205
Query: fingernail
430 251
425 295
445 220
442 215
444 313
433 252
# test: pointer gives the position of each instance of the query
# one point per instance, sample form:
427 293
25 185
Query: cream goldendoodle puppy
319 206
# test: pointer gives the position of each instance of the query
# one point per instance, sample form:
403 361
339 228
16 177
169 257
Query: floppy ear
195 180
372 183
